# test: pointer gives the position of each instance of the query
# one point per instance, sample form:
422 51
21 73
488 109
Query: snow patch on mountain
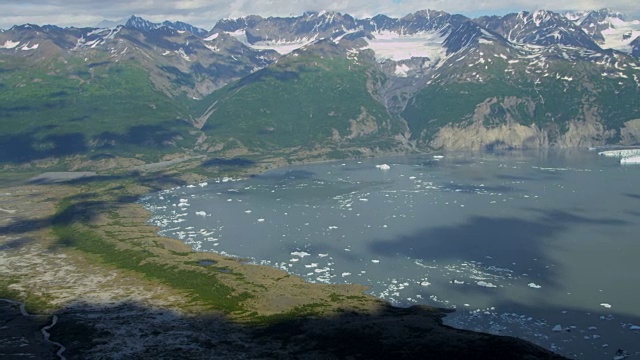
26 47
281 46
212 37
10 44
620 35
389 45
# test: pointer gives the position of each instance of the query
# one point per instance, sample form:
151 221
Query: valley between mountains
93 118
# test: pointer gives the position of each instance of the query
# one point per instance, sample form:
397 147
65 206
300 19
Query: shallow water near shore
539 245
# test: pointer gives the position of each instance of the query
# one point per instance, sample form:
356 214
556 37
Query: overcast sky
205 13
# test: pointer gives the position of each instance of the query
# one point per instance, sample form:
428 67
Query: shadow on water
505 239
584 334
633 196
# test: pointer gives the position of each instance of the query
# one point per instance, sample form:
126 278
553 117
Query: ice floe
534 286
383 167
486 284
301 254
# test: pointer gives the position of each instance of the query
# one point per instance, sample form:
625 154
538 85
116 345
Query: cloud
205 13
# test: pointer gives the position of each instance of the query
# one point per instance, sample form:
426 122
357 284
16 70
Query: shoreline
272 305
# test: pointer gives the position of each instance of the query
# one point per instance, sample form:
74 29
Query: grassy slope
295 102
67 107
558 102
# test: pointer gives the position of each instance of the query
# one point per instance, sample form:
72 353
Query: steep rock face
635 47
596 21
512 135
630 133
541 28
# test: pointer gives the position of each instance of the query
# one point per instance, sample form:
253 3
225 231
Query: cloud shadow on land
386 333
498 237
86 206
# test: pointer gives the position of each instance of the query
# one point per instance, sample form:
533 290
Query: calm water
543 246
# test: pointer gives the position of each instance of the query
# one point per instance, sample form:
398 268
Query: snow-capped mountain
542 28
612 30
421 80
136 22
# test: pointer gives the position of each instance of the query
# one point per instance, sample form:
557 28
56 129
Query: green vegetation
297 313
57 110
297 102
201 282
555 102
35 303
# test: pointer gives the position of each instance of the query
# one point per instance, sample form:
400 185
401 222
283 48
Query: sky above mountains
205 13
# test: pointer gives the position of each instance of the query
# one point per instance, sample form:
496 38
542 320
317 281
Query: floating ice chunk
332 227
248 211
312 265
383 167
294 260
438 157
458 282
534 286
260 220
300 254
344 274
557 328
203 184
375 261
412 177
363 199
486 284
634 327
184 200
425 283
608 306
191 186
201 213
323 255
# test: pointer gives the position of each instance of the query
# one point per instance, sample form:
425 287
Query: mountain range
320 85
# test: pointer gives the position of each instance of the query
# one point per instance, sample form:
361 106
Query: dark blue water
519 243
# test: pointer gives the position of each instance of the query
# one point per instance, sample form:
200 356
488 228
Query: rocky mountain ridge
427 80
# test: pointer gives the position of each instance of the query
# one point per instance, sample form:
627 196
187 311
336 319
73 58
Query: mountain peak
137 22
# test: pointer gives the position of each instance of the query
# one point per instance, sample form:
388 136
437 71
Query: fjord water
539 245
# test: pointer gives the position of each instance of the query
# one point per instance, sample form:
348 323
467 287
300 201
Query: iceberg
630 160
383 167
201 213
534 286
